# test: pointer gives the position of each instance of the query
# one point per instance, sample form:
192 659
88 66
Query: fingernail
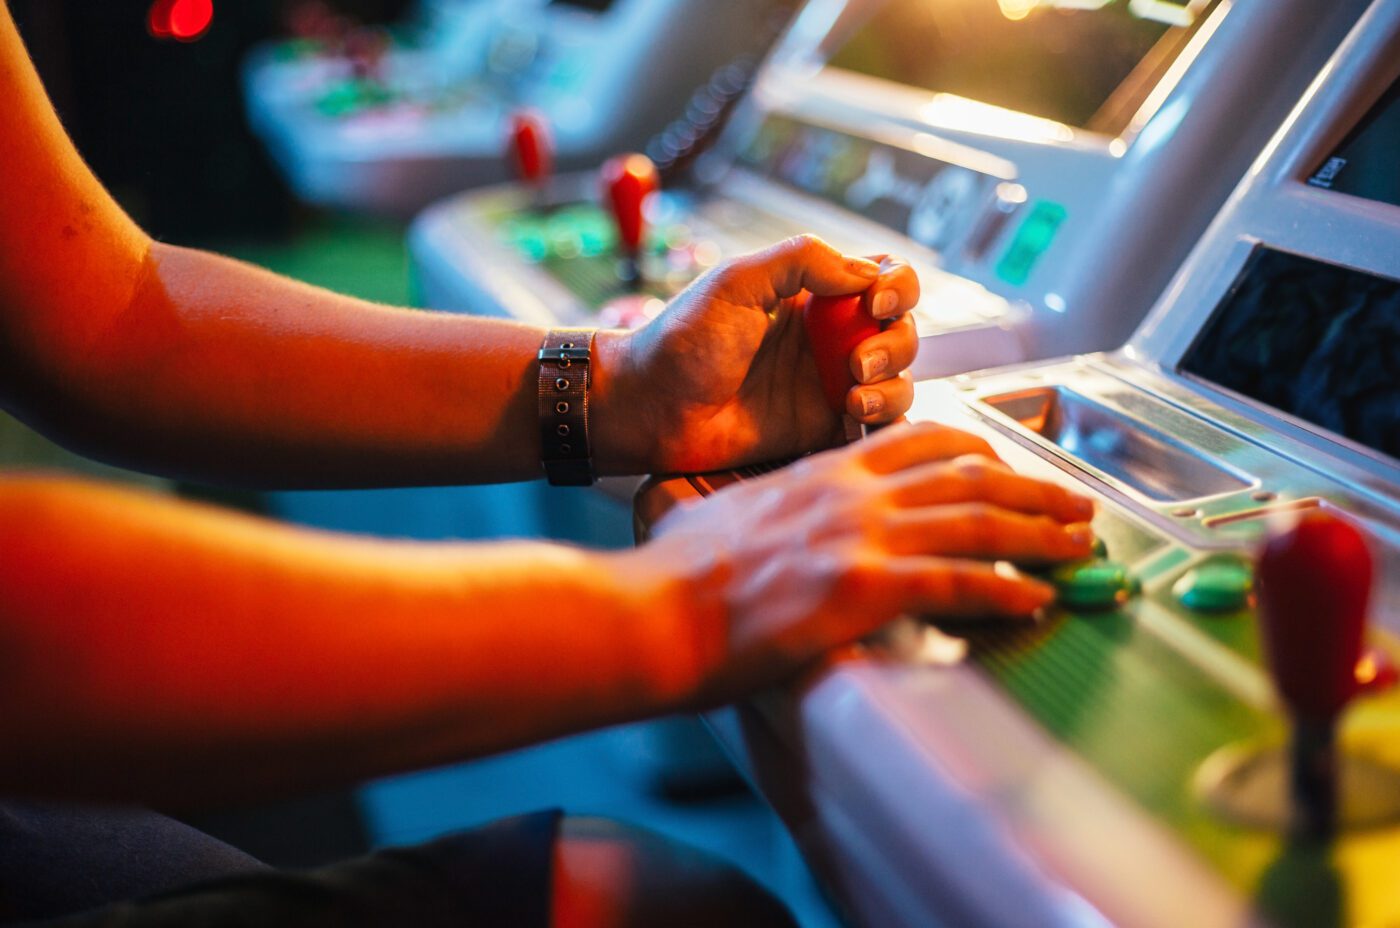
873 364
886 302
1081 535
863 268
871 402
1083 506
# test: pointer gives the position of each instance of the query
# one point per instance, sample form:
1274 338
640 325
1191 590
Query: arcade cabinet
386 127
1205 730
1044 165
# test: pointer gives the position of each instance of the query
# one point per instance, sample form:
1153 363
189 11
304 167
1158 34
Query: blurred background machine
1203 731
1044 164
388 120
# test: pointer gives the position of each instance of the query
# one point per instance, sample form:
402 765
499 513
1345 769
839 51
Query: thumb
806 262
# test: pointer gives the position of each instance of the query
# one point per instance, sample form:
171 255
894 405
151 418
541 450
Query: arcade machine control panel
1044 177
391 131
1203 730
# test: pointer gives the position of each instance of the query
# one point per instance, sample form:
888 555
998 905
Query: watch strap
565 370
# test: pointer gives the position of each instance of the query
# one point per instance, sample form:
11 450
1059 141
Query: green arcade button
1030 242
1218 585
1092 584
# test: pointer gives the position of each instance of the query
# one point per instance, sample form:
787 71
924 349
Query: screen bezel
1116 124
1292 422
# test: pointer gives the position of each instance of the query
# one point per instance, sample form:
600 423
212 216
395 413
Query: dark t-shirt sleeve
496 875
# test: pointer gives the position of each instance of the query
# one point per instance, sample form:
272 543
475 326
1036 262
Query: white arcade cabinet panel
1124 760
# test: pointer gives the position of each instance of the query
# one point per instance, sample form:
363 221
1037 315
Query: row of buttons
1221 584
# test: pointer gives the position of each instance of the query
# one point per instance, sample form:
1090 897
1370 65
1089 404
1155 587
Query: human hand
725 375
789 565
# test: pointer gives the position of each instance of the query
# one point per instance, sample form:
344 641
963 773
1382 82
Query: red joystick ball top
627 181
835 325
531 148
1314 584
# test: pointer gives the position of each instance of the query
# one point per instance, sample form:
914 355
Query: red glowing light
182 20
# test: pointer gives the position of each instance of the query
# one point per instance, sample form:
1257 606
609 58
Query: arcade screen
1314 340
1367 163
1088 65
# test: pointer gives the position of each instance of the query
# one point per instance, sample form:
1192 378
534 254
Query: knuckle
939 586
806 243
1052 534
1057 498
968 587
983 526
973 470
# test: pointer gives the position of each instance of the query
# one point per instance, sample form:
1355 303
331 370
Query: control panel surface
1118 762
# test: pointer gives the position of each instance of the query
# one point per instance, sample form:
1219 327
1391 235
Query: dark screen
1058 63
1315 340
1367 163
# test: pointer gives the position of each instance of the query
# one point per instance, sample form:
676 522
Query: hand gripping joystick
531 150
1314 584
627 182
835 326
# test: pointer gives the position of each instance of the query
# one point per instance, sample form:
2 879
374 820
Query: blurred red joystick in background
531 149
1314 586
627 182
835 325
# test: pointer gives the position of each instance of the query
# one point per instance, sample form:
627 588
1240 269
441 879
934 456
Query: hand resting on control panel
158 650
837 545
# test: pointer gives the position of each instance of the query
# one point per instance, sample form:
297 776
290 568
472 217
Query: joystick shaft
1314 585
627 182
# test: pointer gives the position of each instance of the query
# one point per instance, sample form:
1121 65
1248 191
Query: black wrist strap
565 366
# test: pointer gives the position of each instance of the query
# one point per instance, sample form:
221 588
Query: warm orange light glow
1375 671
1015 10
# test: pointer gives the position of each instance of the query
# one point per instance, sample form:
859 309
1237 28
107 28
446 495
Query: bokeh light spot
183 20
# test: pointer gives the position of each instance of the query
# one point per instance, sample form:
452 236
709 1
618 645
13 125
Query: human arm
177 361
177 654
158 651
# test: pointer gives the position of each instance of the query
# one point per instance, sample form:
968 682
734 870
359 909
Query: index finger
976 479
803 262
954 587
900 447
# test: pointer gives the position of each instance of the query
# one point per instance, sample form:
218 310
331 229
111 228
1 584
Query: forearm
184 363
223 372
168 653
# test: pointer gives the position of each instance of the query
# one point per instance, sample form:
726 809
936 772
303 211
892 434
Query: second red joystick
835 326
1314 587
627 182
531 149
